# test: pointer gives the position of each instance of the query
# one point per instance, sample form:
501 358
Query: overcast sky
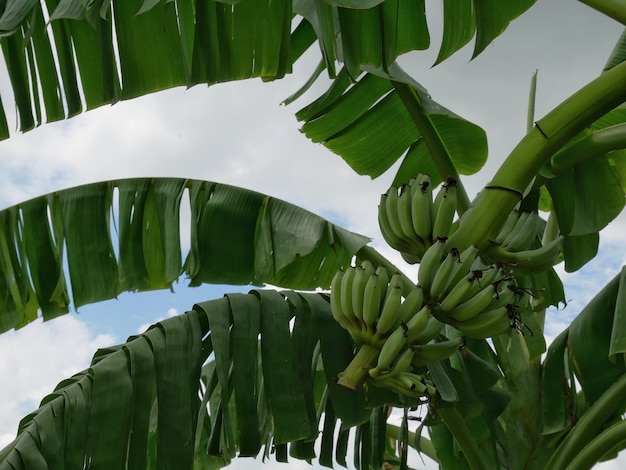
237 133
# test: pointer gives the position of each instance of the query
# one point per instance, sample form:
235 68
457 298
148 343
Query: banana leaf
234 376
590 354
355 121
81 61
592 164
125 235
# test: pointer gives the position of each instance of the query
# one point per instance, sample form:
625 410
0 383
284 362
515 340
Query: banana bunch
399 349
512 245
410 220
406 383
397 373
519 230
369 304
478 298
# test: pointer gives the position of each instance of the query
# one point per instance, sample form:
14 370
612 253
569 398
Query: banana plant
272 372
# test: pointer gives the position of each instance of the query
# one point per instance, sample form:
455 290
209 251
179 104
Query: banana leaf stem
596 143
616 9
590 423
456 425
549 135
425 445
437 149
604 442
355 375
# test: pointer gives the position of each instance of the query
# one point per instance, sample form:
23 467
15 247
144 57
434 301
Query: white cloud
35 359
238 134
171 312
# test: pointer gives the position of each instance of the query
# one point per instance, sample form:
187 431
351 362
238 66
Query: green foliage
256 373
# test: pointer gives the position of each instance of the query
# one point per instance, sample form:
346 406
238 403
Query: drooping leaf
150 402
238 236
603 196
158 44
354 122
555 394
595 339
579 249
459 26
101 415
618 55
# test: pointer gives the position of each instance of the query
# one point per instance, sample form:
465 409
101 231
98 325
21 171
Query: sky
238 133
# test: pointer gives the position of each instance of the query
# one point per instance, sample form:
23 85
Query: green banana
393 240
444 215
463 268
490 275
411 305
443 276
409 384
371 300
529 261
383 280
401 364
416 325
474 305
368 266
526 234
430 264
391 348
393 213
487 324
358 291
396 280
429 332
389 313
519 223
456 295
411 248
436 351
421 207
335 298
409 258
346 290
505 296
405 213
507 228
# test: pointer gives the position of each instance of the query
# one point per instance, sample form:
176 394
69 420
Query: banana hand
389 313
422 208
430 264
443 276
436 351
523 236
485 325
474 305
445 208
392 346
529 261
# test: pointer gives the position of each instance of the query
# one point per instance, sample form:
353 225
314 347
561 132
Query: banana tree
273 372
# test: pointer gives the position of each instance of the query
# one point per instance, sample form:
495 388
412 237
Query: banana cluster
407 348
513 242
478 298
368 303
406 383
371 306
410 220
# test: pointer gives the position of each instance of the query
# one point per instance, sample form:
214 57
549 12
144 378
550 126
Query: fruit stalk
355 375
536 149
